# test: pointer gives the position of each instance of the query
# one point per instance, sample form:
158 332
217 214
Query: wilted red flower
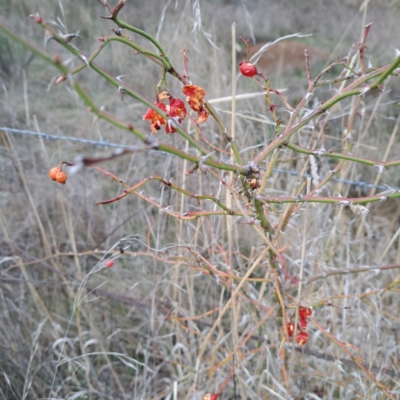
177 108
177 111
202 117
194 91
195 96
247 69
302 338
156 119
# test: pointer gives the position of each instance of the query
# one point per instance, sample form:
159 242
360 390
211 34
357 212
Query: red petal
202 117
156 119
161 106
194 91
177 108
169 128
173 102
303 323
149 114
195 104
290 328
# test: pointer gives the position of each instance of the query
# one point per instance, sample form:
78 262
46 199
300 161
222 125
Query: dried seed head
312 299
314 171
358 209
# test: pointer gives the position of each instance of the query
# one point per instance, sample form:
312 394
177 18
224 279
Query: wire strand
105 144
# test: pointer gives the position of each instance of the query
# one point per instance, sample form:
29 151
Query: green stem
268 173
175 187
162 83
351 90
131 28
330 200
259 208
391 68
32 47
340 156
221 124
146 53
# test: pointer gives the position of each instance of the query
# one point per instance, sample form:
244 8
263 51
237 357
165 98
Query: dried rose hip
61 177
53 172
57 174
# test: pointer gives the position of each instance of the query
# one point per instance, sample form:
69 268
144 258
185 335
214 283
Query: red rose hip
247 69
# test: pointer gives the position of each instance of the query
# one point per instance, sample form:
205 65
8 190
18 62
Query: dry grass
71 328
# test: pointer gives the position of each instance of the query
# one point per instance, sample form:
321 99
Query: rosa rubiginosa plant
266 304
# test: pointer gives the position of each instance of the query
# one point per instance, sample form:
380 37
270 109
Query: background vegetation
71 328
